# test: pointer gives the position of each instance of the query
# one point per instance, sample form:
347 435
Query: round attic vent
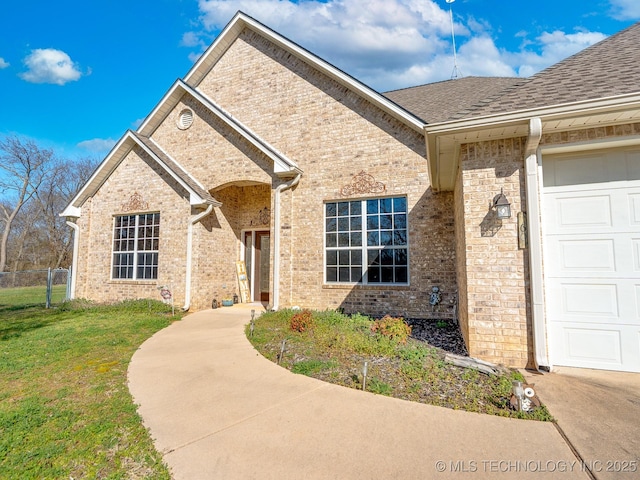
185 119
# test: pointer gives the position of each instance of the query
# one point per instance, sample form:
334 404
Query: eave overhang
198 196
443 139
241 21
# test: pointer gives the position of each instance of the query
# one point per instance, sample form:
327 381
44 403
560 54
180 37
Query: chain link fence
35 287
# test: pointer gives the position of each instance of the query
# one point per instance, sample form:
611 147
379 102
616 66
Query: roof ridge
429 84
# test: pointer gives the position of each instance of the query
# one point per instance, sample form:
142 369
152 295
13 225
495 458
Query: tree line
35 186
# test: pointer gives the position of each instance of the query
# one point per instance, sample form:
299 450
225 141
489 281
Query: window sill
369 286
132 282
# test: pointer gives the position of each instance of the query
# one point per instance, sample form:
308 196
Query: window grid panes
366 241
135 246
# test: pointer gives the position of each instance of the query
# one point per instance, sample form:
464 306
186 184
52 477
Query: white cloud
97 145
391 44
626 9
48 65
192 39
381 42
555 46
3 64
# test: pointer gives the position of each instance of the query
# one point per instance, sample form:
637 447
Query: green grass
336 347
65 409
24 296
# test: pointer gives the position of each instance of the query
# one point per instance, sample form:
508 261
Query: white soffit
443 139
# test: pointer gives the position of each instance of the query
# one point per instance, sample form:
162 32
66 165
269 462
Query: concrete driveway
598 411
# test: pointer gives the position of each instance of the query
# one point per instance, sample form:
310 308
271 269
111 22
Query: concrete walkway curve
217 409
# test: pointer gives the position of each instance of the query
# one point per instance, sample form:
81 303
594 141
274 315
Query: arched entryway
246 207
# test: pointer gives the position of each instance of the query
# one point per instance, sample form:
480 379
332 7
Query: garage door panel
632 163
584 211
590 300
579 300
602 256
589 255
634 210
591 244
590 211
593 345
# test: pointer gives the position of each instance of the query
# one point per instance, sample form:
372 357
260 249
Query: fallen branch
474 363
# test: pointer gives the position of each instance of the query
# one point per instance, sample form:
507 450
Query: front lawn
65 409
333 347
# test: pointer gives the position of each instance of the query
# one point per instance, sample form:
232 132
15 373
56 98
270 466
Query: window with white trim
135 246
366 241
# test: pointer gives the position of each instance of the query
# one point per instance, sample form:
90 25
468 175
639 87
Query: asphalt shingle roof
605 69
608 68
441 101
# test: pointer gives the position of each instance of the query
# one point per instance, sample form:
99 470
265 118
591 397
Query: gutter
187 287
554 112
74 260
532 189
276 239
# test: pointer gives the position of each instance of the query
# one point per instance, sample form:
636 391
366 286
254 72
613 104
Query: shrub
394 328
381 388
301 321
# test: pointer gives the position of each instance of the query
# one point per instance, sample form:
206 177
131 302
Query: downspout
187 284
74 260
276 239
532 188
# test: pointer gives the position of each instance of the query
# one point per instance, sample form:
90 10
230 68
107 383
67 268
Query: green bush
381 388
394 328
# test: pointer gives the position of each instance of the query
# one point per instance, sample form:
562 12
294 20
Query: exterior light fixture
502 205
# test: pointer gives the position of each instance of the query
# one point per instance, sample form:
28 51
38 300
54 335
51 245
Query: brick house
336 196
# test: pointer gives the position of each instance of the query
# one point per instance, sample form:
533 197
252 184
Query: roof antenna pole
456 71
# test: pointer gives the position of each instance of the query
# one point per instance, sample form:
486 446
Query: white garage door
591 221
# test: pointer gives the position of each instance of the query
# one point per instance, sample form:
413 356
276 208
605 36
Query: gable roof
442 101
197 193
282 165
242 21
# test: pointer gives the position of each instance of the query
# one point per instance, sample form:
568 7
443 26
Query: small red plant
394 328
302 321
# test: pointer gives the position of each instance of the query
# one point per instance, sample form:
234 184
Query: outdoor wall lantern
502 205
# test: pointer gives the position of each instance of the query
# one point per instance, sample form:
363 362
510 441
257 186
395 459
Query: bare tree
23 168
51 198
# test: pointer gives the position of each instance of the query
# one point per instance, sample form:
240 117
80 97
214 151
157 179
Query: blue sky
75 75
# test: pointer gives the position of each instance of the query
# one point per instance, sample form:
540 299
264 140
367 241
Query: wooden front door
261 271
